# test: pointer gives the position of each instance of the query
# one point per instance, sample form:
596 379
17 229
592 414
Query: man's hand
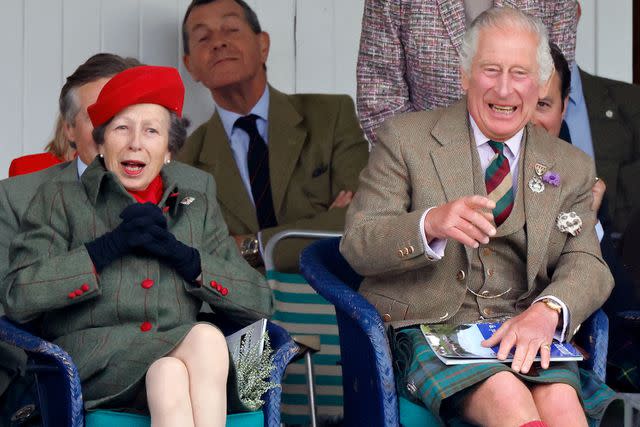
468 220
342 200
529 332
598 193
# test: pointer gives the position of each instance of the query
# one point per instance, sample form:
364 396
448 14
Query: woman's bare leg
167 384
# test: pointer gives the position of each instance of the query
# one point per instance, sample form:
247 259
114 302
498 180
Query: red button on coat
85 287
224 291
213 284
72 295
145 326
147 283
78 292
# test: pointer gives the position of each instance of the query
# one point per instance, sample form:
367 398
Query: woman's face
136 144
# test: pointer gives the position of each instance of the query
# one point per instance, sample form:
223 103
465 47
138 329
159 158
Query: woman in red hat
116 266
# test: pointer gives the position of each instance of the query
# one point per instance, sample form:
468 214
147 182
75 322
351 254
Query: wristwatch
552 305
250 251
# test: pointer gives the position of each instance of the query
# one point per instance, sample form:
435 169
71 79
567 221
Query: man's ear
543 90
185 60
69 131
265 42
464 79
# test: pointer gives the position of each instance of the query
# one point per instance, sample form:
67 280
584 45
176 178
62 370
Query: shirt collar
576 95
81 166
261 109
513 143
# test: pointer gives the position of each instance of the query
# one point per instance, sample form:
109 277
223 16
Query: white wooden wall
314 46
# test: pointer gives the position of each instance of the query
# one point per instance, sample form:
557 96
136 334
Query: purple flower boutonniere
551 178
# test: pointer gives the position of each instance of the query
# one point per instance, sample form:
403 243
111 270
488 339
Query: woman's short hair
177 132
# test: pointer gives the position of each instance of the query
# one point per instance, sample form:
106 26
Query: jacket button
487 312
213 284
386 317
461 275
490 272
85 287
147 283
411 249
72 295
400 253
78 292
145 326
486 251
444 316
224 291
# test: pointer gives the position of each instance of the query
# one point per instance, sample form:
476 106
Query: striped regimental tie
499 183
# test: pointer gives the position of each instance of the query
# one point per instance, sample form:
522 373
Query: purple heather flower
551 178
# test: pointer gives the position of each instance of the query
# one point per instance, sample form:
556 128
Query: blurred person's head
138 123
59 145
553 105
81 90
505 66
225 48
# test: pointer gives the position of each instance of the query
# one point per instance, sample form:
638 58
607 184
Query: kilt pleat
423 378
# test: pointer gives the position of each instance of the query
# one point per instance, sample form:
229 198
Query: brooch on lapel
569 222
187 200
535 184
552 178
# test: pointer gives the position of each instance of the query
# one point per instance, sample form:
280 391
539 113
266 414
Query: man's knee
556 397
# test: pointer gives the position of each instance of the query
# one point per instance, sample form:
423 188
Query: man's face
502 86
551 108
80 131
224 51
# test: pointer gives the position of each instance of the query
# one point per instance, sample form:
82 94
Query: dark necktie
499 183
564 132
258 162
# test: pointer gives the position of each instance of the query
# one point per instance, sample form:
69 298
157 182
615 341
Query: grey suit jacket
614 117
423 160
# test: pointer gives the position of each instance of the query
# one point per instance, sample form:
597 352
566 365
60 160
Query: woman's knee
204 346
167 370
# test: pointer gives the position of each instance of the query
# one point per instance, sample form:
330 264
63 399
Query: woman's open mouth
132 167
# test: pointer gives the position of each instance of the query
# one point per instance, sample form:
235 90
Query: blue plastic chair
369 388
60 394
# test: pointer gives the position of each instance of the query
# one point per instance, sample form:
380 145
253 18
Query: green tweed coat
99 319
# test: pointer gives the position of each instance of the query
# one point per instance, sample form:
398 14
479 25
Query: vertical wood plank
159 32
198 105
121 27
315 46
277 17
11 83
614 39
348 23
42 71
80 33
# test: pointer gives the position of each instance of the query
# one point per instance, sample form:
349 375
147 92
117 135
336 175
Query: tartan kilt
422 378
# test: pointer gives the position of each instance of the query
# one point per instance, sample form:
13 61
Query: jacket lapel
217 155
540 209
454 20
286 139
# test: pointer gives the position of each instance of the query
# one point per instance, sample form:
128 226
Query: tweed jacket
115 324
423 160
316 149
614 117
409 52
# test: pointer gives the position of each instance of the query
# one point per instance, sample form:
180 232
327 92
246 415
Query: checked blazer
424 159
316 149
409 52
100 319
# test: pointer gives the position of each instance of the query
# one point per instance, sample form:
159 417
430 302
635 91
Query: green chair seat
414 415
102 418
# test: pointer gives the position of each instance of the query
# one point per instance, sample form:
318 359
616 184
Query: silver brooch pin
187 200
569 222
536 185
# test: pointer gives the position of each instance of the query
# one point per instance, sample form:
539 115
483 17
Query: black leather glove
130 234
182 258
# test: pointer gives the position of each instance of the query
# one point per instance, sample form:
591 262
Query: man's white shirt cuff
435 251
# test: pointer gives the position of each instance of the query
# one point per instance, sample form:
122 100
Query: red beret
147 84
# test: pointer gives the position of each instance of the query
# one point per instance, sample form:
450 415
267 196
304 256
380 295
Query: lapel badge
552 178
536 185
187 200
569 222
540 169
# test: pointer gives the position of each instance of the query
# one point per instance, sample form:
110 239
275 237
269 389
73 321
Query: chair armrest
57 388
284 350
594 338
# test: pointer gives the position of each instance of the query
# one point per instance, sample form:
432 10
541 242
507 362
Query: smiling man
280 161
469 199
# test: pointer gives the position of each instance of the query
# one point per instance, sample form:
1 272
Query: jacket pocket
390 309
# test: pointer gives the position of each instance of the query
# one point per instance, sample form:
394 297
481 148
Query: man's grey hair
507 18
